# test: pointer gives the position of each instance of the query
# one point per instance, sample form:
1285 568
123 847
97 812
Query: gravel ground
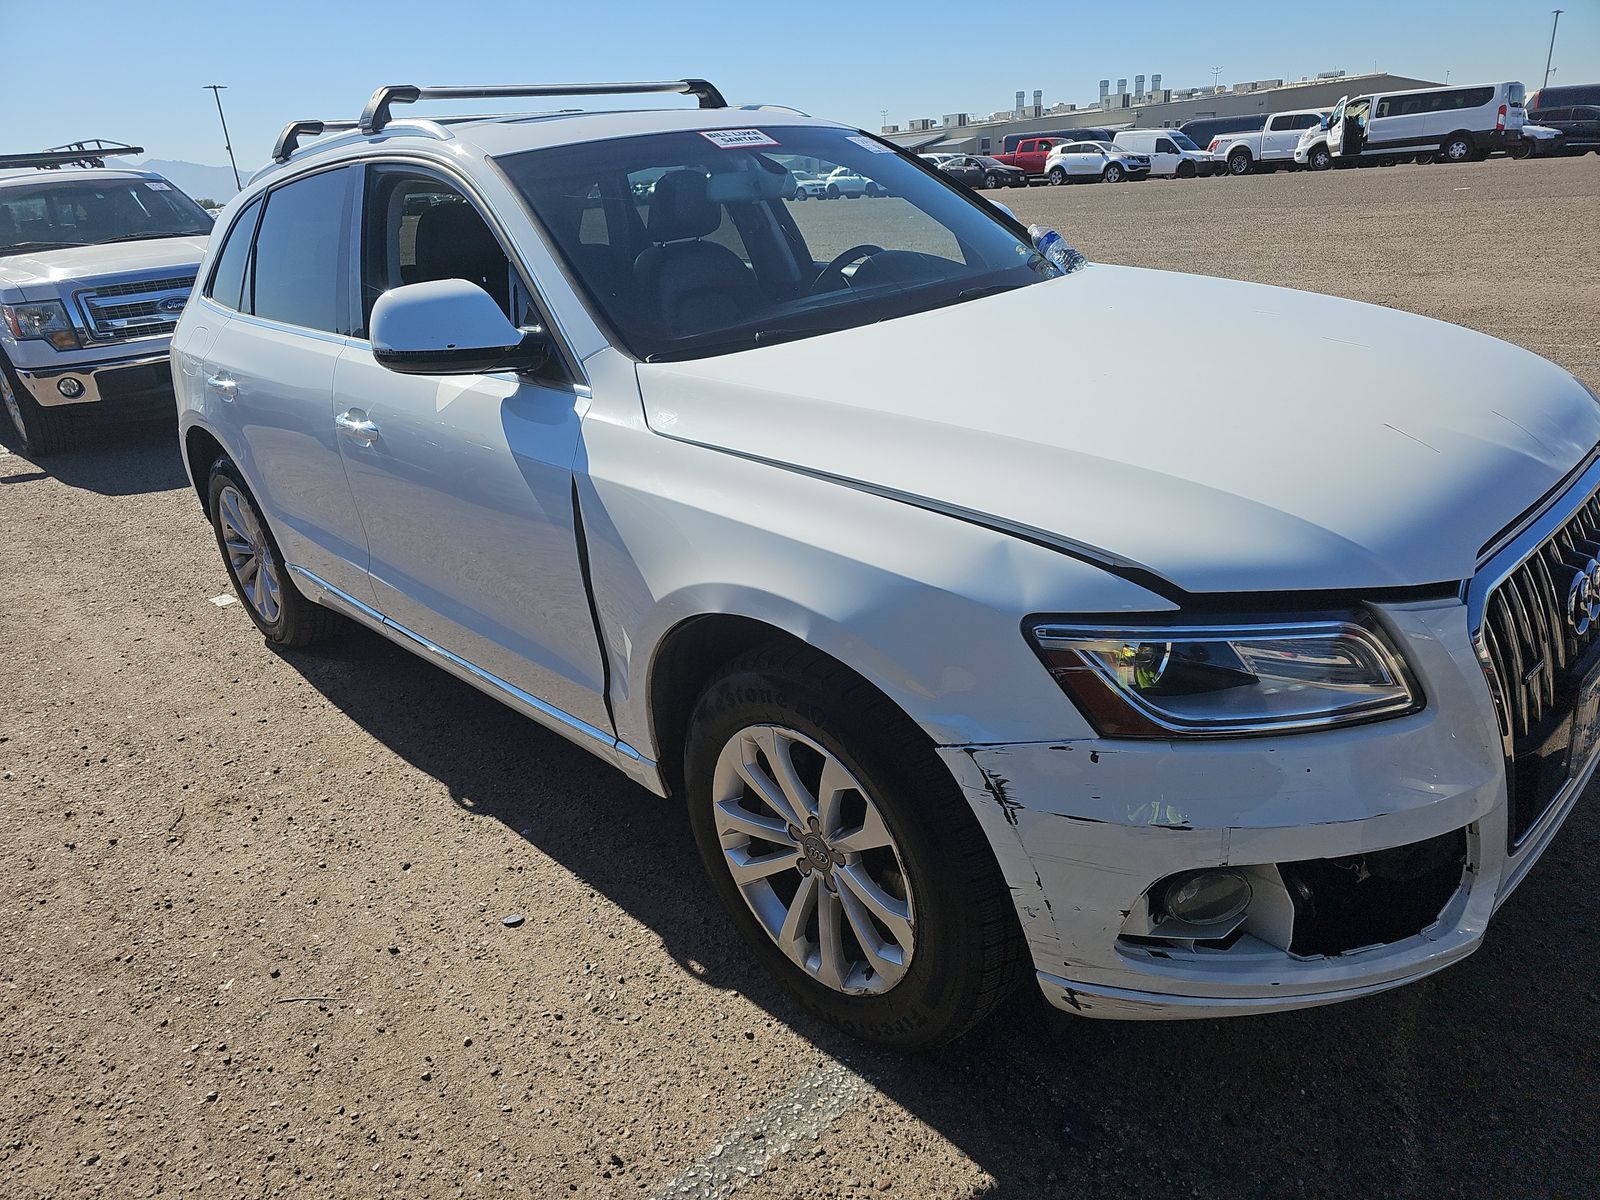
251 926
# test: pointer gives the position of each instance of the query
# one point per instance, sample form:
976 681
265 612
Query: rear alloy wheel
1239 162
1112 174
845 853
40 430
1457 148
1057 176
255 565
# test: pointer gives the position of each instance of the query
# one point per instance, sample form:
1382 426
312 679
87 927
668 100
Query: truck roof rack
289 140
91 152
377 114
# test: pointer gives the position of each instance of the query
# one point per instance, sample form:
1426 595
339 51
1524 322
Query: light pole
1216 73
216 92
1548 57
884 114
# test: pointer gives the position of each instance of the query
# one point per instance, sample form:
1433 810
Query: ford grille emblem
172 304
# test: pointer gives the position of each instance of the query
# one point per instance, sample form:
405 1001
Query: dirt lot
251 926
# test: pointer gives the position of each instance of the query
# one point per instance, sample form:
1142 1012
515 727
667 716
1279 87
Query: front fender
926 607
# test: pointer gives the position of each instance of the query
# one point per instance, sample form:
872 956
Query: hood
1266 440
44 272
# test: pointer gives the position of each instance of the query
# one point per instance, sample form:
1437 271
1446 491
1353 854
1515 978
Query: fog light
1206 897
70 388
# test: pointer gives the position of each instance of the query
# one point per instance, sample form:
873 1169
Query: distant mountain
197 179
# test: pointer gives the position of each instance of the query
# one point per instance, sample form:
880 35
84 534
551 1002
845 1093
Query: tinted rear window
300 261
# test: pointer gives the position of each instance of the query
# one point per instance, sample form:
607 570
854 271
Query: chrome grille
118 311
1539 626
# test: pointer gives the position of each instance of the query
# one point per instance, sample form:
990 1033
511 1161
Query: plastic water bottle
1055 249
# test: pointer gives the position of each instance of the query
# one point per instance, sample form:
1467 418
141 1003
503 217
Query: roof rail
377 115
92 152
289 140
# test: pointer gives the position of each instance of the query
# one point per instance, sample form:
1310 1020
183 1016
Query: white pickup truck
96 266
1267 148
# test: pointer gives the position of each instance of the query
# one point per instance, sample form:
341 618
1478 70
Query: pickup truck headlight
1227 680
41 320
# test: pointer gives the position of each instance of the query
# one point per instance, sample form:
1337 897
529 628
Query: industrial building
1140 107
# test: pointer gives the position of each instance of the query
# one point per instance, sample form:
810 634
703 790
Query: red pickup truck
1030 154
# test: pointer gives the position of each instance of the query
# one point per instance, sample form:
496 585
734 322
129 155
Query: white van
1458 123
1171 152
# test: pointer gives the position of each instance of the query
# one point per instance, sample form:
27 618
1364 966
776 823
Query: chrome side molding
597 741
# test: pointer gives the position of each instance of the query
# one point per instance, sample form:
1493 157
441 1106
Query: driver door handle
357 426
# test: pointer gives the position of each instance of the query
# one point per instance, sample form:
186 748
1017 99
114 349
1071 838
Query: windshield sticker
159 187
867 143
734 139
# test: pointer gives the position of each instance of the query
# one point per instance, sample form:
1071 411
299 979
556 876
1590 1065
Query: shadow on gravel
1482 1081
122 459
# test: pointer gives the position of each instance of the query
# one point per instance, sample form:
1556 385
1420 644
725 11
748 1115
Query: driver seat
690 285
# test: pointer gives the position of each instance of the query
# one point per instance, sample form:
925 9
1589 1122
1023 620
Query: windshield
85 212
1181 140
688 243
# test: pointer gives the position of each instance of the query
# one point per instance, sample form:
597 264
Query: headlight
1227 680
41 320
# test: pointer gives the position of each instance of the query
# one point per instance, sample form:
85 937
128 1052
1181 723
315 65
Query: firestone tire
967 950
41 431
282 614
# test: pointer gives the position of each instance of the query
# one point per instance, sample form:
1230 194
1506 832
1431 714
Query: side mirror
450 327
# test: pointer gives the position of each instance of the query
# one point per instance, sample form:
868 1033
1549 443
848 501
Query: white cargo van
1171 152
1458 123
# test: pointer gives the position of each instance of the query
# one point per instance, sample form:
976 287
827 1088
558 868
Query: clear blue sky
134 71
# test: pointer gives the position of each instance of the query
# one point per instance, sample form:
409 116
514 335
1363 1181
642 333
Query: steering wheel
840 262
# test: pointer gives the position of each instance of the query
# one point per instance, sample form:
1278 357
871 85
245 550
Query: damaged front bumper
1086 830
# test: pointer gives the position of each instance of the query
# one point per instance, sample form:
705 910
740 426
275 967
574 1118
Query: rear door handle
357 426
223 386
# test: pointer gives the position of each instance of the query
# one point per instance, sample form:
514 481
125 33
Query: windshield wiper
993 289
152 237
745 341
15 246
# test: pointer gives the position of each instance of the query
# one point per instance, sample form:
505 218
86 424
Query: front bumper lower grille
1540 641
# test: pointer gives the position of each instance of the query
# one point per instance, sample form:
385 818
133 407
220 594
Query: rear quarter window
227 277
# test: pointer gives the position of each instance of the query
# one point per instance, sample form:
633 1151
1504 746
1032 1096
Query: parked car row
1443 124
1112 157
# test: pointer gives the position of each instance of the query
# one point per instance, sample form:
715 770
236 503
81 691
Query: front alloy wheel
1113 174
844 851
810 853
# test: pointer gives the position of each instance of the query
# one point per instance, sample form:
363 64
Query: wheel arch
201 448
